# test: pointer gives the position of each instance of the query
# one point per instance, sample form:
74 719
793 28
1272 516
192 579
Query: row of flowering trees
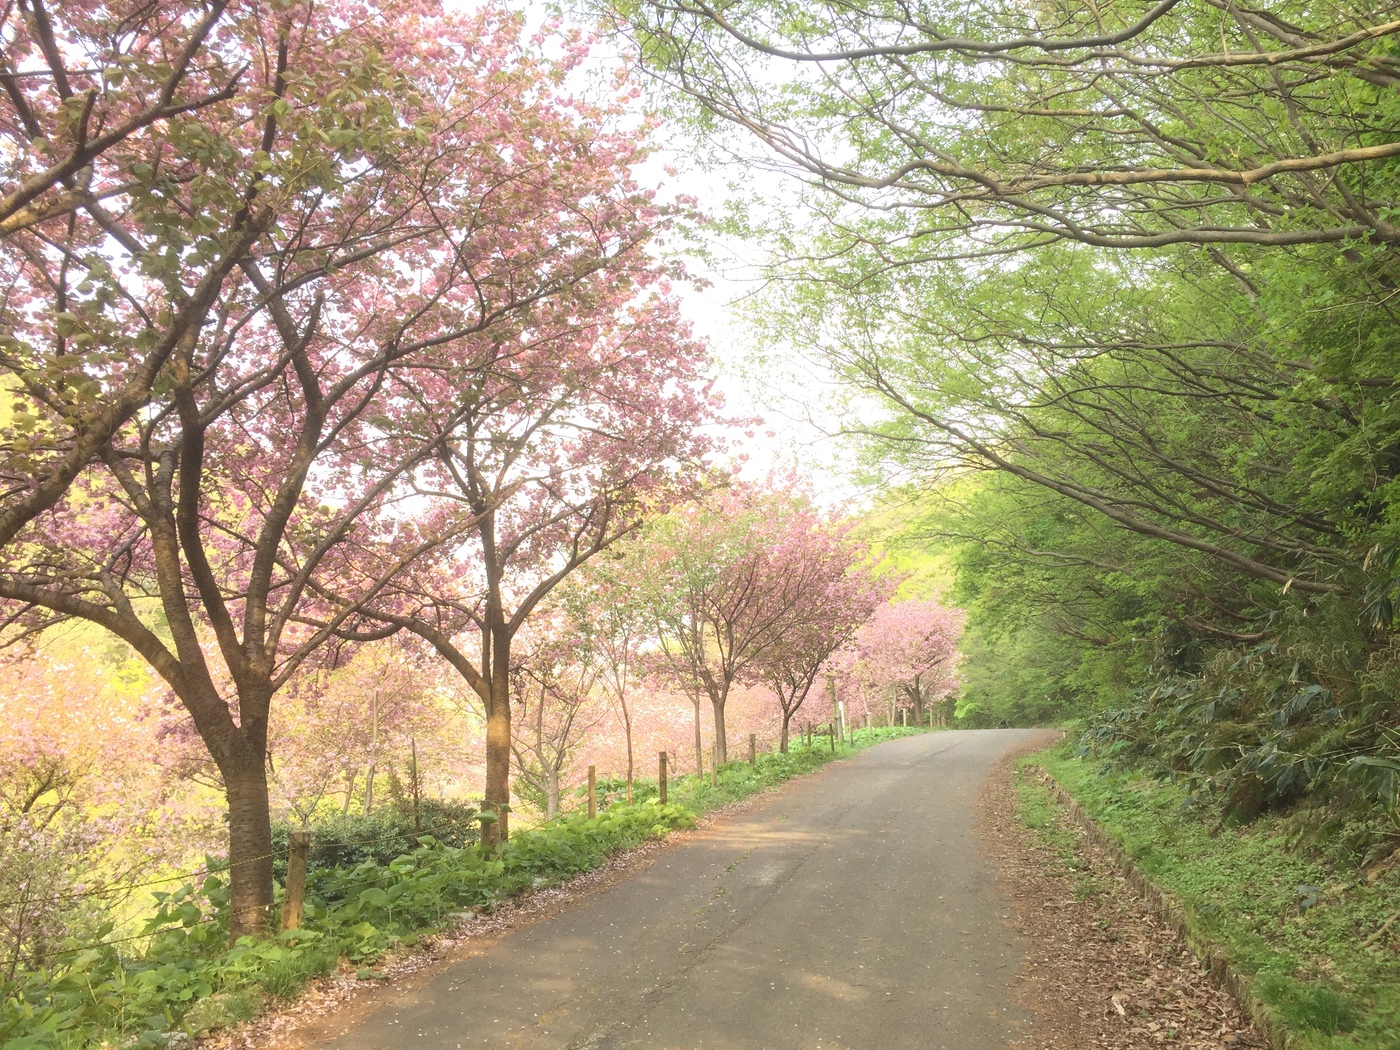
750 591
322 321
122 776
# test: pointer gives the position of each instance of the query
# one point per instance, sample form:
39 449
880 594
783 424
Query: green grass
738 780
1040 812
1296 922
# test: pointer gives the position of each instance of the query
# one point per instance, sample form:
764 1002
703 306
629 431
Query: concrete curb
1172 912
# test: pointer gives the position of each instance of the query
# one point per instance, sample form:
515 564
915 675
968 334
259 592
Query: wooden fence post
417 807
661 775
293 900
753 749
592 792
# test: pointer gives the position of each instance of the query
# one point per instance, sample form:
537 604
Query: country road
852 908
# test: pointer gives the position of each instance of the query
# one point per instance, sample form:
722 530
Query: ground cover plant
1313 929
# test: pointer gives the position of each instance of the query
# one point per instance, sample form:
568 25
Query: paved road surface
853 909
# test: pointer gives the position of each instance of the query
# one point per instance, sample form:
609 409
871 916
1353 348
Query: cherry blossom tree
556 696
82 803
262 196
729 581
841 592
908 651
603 610
113 116
426 188
345 726
575 430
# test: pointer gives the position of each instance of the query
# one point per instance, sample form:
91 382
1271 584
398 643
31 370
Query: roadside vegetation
1309 925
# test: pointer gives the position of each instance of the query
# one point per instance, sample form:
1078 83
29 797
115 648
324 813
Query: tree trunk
551 795
417 806
496 797
699 744
350 779
783 735
249 847
835 706
838 721
721 752
629 763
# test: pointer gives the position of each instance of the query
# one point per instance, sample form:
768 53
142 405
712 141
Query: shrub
380 836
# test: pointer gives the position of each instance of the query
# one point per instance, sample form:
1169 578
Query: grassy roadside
178 979
738 780
1319 942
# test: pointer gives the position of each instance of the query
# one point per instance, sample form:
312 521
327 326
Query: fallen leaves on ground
1101 969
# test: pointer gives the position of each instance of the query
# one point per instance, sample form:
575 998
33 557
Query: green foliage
1040 812
612 790
1308 736
1144 457
345 840
1306 924
924 570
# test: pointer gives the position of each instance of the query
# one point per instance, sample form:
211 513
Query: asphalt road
851 909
